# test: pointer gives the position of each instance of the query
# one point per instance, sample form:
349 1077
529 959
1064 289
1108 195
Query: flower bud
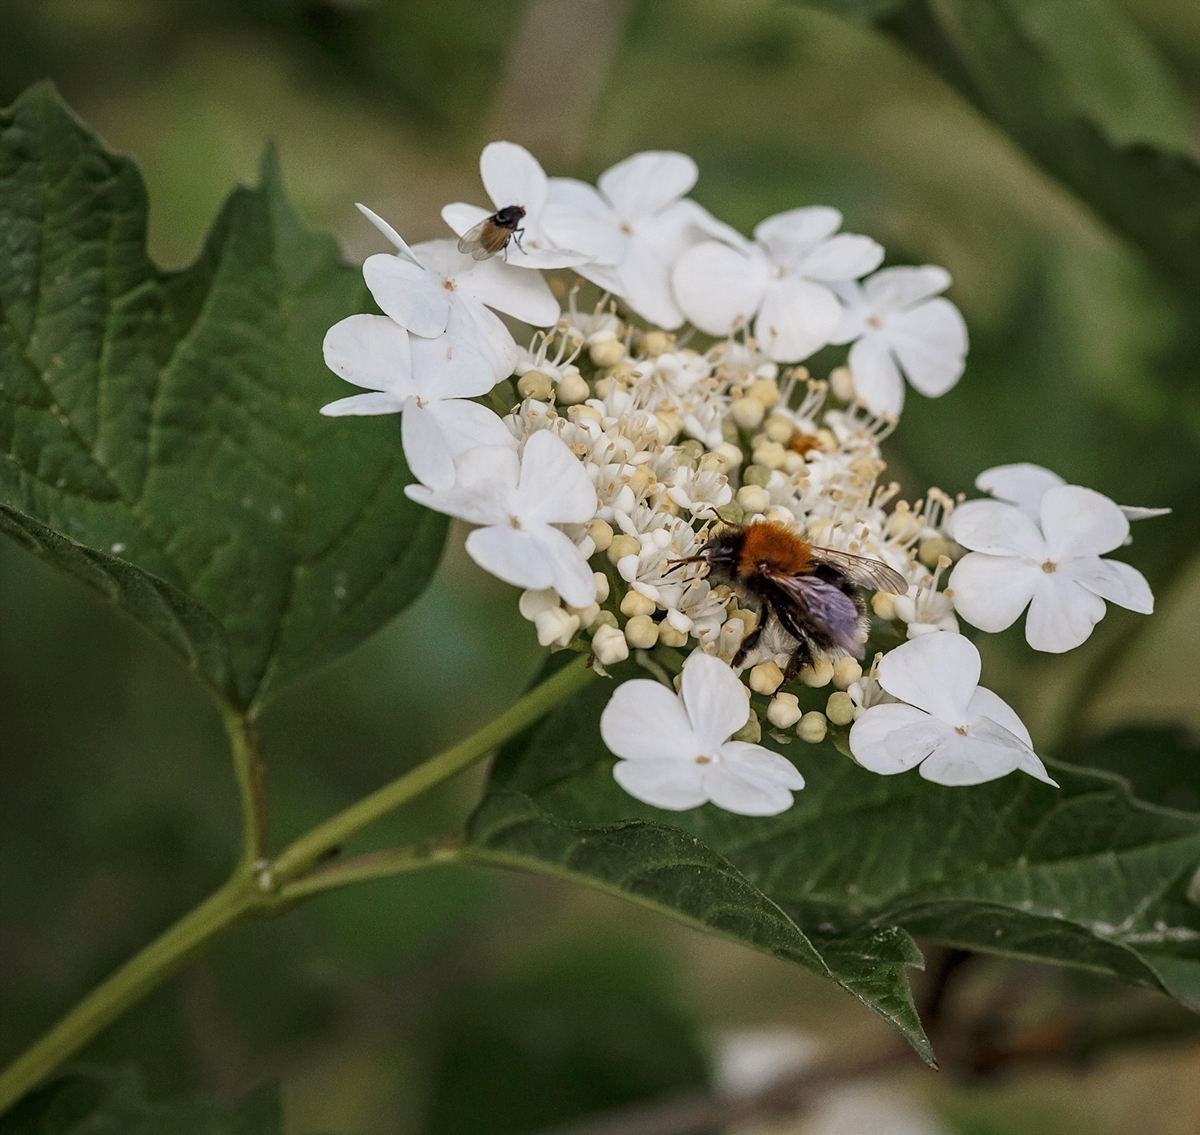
884 605
931 549
766 678
534 384
555 627
818 673
841 384
602 587
586 615
622 546
747 413
670 424
655 343
635 603
669 636
533 603
601 533
729 455
779 427
609 645
812 727
765 392
751 731
607 352
846 671
753 498
756 475
604 619
641 632
572 389
784 711
771 454
840 708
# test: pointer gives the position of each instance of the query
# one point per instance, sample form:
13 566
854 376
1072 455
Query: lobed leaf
170 419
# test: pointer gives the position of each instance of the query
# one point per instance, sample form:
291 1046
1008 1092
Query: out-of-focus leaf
110 1103
1162 764
863 11
588 1031
170 419
1085 875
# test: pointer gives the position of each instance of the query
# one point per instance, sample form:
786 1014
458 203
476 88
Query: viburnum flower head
517 501
958 732
1053 566
900 325
433 289
513 176
675 749
635 226
428 380
780 281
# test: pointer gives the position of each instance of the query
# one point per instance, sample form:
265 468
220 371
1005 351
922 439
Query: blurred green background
448 1001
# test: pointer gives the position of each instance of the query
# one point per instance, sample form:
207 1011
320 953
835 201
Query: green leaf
1162 764
110 1103
1084 876
170 419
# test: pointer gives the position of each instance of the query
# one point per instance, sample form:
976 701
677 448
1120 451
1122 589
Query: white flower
1023 484
898 327
433 289
958 732
1054 569
513 176
676 752
517 501
428 380
635 227
780 280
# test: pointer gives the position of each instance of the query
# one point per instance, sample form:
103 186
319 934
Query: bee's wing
817 610
475 243
863 570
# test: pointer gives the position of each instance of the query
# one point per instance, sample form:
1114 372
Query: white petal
511 554
460 217
513 176
743 782
1021 484
485 479
843 257
797 318
990 592
425 447
1061 615
370 351
473 323
449 367
536 251
363 405
789 235
673 785
413 297
643 282
718 288
714 698
896 289
960 761
938 673
555 487
930 342
984 703
644 721
888 739
997 528
1136 512
1112 580
521 294
570 575
390 233
577 217
647 182
877 381
1080 522
467 425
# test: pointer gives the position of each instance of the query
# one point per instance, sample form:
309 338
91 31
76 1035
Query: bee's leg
801 657
748 644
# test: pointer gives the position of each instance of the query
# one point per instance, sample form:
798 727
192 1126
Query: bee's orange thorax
776 545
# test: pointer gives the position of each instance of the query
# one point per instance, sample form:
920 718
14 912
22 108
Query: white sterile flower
635 227
958 732
1054 569
513 176
675 749
1023 484
518 501
432 289
898 322
780 281
428 380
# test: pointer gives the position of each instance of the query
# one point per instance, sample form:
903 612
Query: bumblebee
813 593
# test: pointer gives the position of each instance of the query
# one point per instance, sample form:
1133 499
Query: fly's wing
818 611
484 240
863 570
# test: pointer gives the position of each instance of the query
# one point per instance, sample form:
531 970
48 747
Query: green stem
250 775
324 838
263 888
142 973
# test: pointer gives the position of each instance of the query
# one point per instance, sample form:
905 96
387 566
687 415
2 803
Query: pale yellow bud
793 463
771 454
635 603
641 632
840 708
571 390
669 636
846 671
747 412
779 427
841 384
751 731
669 426
607 352
641 479
765 391
753 498
729 455
784 711
812 727
931 549
622 546
601 579
555 627
535 384
609 645
655 343
884 605
586 615
820 673
601 533
766 678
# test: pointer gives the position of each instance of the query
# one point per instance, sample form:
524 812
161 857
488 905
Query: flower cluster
600 462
